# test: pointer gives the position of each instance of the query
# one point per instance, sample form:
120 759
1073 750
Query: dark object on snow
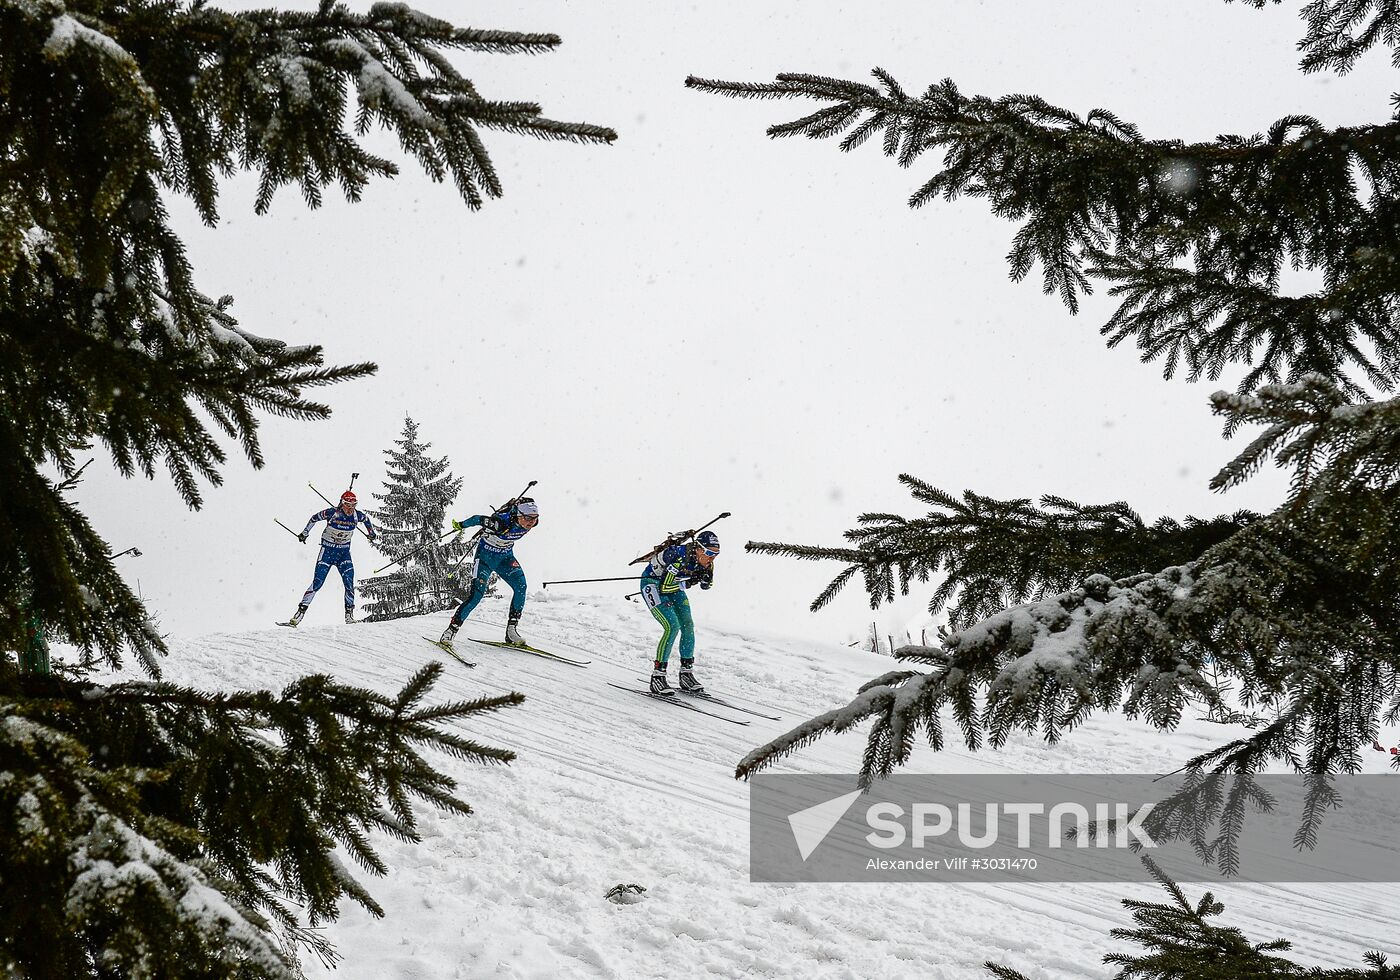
621 894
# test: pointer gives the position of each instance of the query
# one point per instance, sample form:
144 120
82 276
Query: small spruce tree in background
410 520
1182 943
147 829
1063 609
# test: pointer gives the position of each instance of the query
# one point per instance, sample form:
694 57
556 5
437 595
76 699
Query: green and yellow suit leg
672 611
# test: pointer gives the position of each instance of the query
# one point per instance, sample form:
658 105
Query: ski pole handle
702 527
633 595
286 528
516 497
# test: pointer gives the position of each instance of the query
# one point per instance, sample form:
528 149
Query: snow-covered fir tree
147 829
1182 941
411 518
1061 609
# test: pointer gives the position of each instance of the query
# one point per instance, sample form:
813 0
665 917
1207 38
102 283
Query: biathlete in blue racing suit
341 523
495 553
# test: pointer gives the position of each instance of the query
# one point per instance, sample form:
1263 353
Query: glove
493 525
457 526
705 585
372 537
302 537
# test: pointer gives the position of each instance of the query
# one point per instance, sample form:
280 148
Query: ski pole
415 551
471 550
286 528
332 506
571 581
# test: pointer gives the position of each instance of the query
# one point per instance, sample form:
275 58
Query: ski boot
513 634
689 685
659 684
296 616
448 635
350 615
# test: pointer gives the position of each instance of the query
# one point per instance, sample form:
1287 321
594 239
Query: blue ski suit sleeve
316 518
499 530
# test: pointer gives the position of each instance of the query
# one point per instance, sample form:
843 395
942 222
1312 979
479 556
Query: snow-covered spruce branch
89 854
322 763
994 553
1340 31
1089 190
1333 441
394 58
1288 624
1201 321
1179 940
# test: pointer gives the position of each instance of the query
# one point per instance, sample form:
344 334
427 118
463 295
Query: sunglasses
709 552
528 518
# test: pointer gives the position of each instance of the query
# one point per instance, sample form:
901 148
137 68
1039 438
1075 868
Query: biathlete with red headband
341 523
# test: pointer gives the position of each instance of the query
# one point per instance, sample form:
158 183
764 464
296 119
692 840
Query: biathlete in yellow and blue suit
664 582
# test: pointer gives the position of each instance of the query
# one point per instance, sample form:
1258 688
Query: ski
574 646
678 703
721 701
292 625
535 650
447 649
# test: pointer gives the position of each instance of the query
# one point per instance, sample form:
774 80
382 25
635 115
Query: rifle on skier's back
453 571
675 538
471 546
671 539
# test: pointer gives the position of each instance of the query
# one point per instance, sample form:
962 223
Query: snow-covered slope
614 788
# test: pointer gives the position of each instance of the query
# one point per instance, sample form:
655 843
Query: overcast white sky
699 318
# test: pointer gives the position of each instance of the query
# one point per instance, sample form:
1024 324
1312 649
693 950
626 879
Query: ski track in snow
611 788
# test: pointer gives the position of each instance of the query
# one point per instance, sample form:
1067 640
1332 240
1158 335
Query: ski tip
450 652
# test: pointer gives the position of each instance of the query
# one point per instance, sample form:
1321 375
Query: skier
664 583
335 551
495 554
